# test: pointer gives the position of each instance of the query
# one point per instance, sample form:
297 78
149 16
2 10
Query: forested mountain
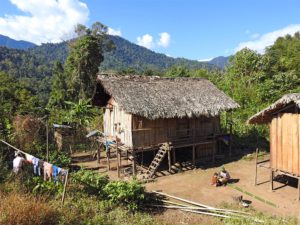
11 43
220 61
129 55
126 55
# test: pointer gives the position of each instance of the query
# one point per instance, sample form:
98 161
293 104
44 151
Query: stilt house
283 118
144 112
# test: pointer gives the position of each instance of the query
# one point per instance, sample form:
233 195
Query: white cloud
114 32
164 40
204 60
44 21
146 41
268 39
254 35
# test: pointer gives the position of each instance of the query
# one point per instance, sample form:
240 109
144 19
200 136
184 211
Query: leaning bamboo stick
206 213
202 208
183 200
181 206
198 204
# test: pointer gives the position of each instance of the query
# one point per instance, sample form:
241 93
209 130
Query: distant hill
130 55
220 61
37 61
11 43
126 55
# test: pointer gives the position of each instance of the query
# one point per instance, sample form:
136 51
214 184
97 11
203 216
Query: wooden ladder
160 155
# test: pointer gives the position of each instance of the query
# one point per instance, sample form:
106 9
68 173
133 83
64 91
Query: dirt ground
195 185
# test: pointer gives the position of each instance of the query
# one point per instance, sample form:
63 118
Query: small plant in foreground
129 194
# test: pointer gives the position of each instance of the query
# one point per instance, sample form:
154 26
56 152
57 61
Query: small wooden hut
284 119
144 112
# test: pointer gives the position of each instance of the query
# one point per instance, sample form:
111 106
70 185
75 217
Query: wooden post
174 155
271 179
194 155
142 162
133 164
98 153
169 159
256 158
47 140
214 151
65 188
298 189
118 163
108 161
230 140
118 157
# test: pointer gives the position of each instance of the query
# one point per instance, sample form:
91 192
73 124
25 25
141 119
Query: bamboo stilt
256 159
65 188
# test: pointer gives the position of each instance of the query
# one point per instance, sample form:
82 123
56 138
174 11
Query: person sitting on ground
224 176
215 180
18 163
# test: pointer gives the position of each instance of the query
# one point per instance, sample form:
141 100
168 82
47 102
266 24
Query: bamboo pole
98 153
65 188
183 200
194 155
298 189
256 159
230 211
205 213
196 203
4 142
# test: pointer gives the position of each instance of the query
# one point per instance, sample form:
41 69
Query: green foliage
81 113
60 159
59 86
129 194
86 54
42 187
92 183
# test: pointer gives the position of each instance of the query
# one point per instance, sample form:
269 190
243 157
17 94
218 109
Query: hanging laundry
18 163
29 157
55 174
36 167
108 143
41 164
47 171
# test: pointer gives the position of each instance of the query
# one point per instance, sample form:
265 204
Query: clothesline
66 175
13 147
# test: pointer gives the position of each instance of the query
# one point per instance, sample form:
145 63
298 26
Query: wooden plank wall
151 132
284 143
118 123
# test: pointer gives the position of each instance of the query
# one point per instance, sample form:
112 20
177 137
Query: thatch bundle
155 97
265 116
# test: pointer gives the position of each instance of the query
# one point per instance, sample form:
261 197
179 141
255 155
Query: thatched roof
155 97
266 115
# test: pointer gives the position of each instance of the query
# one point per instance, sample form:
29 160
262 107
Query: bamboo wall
285 143
118 123
139 132
151 132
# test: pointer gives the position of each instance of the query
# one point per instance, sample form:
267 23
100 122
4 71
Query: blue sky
179 28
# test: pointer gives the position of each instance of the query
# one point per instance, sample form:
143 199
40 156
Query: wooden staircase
160 155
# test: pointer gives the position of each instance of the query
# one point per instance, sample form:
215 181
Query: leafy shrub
60 159
129 194
91 183
47 187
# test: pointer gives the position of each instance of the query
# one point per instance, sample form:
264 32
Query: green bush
91 183
60 159
47 187
129 194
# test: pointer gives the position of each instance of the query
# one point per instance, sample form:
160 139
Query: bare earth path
195 185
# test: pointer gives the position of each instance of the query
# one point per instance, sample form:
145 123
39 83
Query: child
214 180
